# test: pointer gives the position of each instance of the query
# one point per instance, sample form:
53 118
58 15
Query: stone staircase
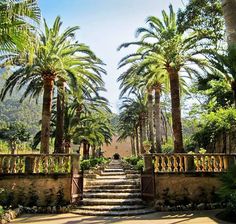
114 191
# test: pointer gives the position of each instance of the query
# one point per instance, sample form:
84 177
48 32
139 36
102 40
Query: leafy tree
14 133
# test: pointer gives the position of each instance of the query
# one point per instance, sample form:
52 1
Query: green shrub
85 164
139 165
228 190
92 162
167 147
133 160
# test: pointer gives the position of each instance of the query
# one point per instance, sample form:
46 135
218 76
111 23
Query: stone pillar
148 167
29 164
75 164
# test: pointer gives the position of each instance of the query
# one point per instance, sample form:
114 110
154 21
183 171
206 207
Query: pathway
196 217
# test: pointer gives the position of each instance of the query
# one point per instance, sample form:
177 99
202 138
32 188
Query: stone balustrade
183 162
37 163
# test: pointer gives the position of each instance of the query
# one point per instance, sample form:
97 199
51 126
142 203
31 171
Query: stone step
106 186
100 201
111 207
112 173
92 190
113 170
111 195
114 213
111 177
111 182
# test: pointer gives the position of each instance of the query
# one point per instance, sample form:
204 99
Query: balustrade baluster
175 164
13 168
169 164
163 165
215 164
185 163
181 168
52 164
156 164
198 162
203 159
8 165
220 163
67 164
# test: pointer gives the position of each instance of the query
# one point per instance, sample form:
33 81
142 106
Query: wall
123 148
37 189
184 188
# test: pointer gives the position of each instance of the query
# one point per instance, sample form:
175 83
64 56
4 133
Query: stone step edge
114 213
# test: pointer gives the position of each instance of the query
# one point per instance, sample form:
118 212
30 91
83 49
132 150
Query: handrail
197 162
38 163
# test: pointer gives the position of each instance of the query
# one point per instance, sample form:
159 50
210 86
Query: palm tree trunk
164 126
150 119
85 150
59 138
141 134
132 145
93 151
229 11
158 118
46 114
137 140
176 111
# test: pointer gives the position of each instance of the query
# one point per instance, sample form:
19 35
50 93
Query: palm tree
175 52
16 17
229 12
55 58
224 65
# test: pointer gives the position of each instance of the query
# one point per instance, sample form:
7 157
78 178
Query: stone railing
183 162
37 163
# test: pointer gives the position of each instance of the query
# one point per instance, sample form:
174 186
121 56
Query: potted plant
147 146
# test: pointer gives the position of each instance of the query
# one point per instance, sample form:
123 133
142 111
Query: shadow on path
202 217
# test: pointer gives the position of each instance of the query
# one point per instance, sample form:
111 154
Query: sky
104 25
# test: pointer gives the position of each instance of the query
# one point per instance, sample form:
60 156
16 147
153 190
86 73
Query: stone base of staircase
113 192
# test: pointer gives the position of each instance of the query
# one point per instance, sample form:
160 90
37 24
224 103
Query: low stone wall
184 188
36 189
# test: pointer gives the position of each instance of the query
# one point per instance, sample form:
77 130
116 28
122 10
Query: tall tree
175 51
55 57
229 12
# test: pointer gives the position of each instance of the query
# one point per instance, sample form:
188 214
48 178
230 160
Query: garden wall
179 188
36 189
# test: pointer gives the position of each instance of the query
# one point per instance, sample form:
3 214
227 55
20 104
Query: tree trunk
150 119
137 141
46 113
164 126
229 11
93 151
141 135
143 130
233 87
157 115
132 145
176 110
85 150
59 138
